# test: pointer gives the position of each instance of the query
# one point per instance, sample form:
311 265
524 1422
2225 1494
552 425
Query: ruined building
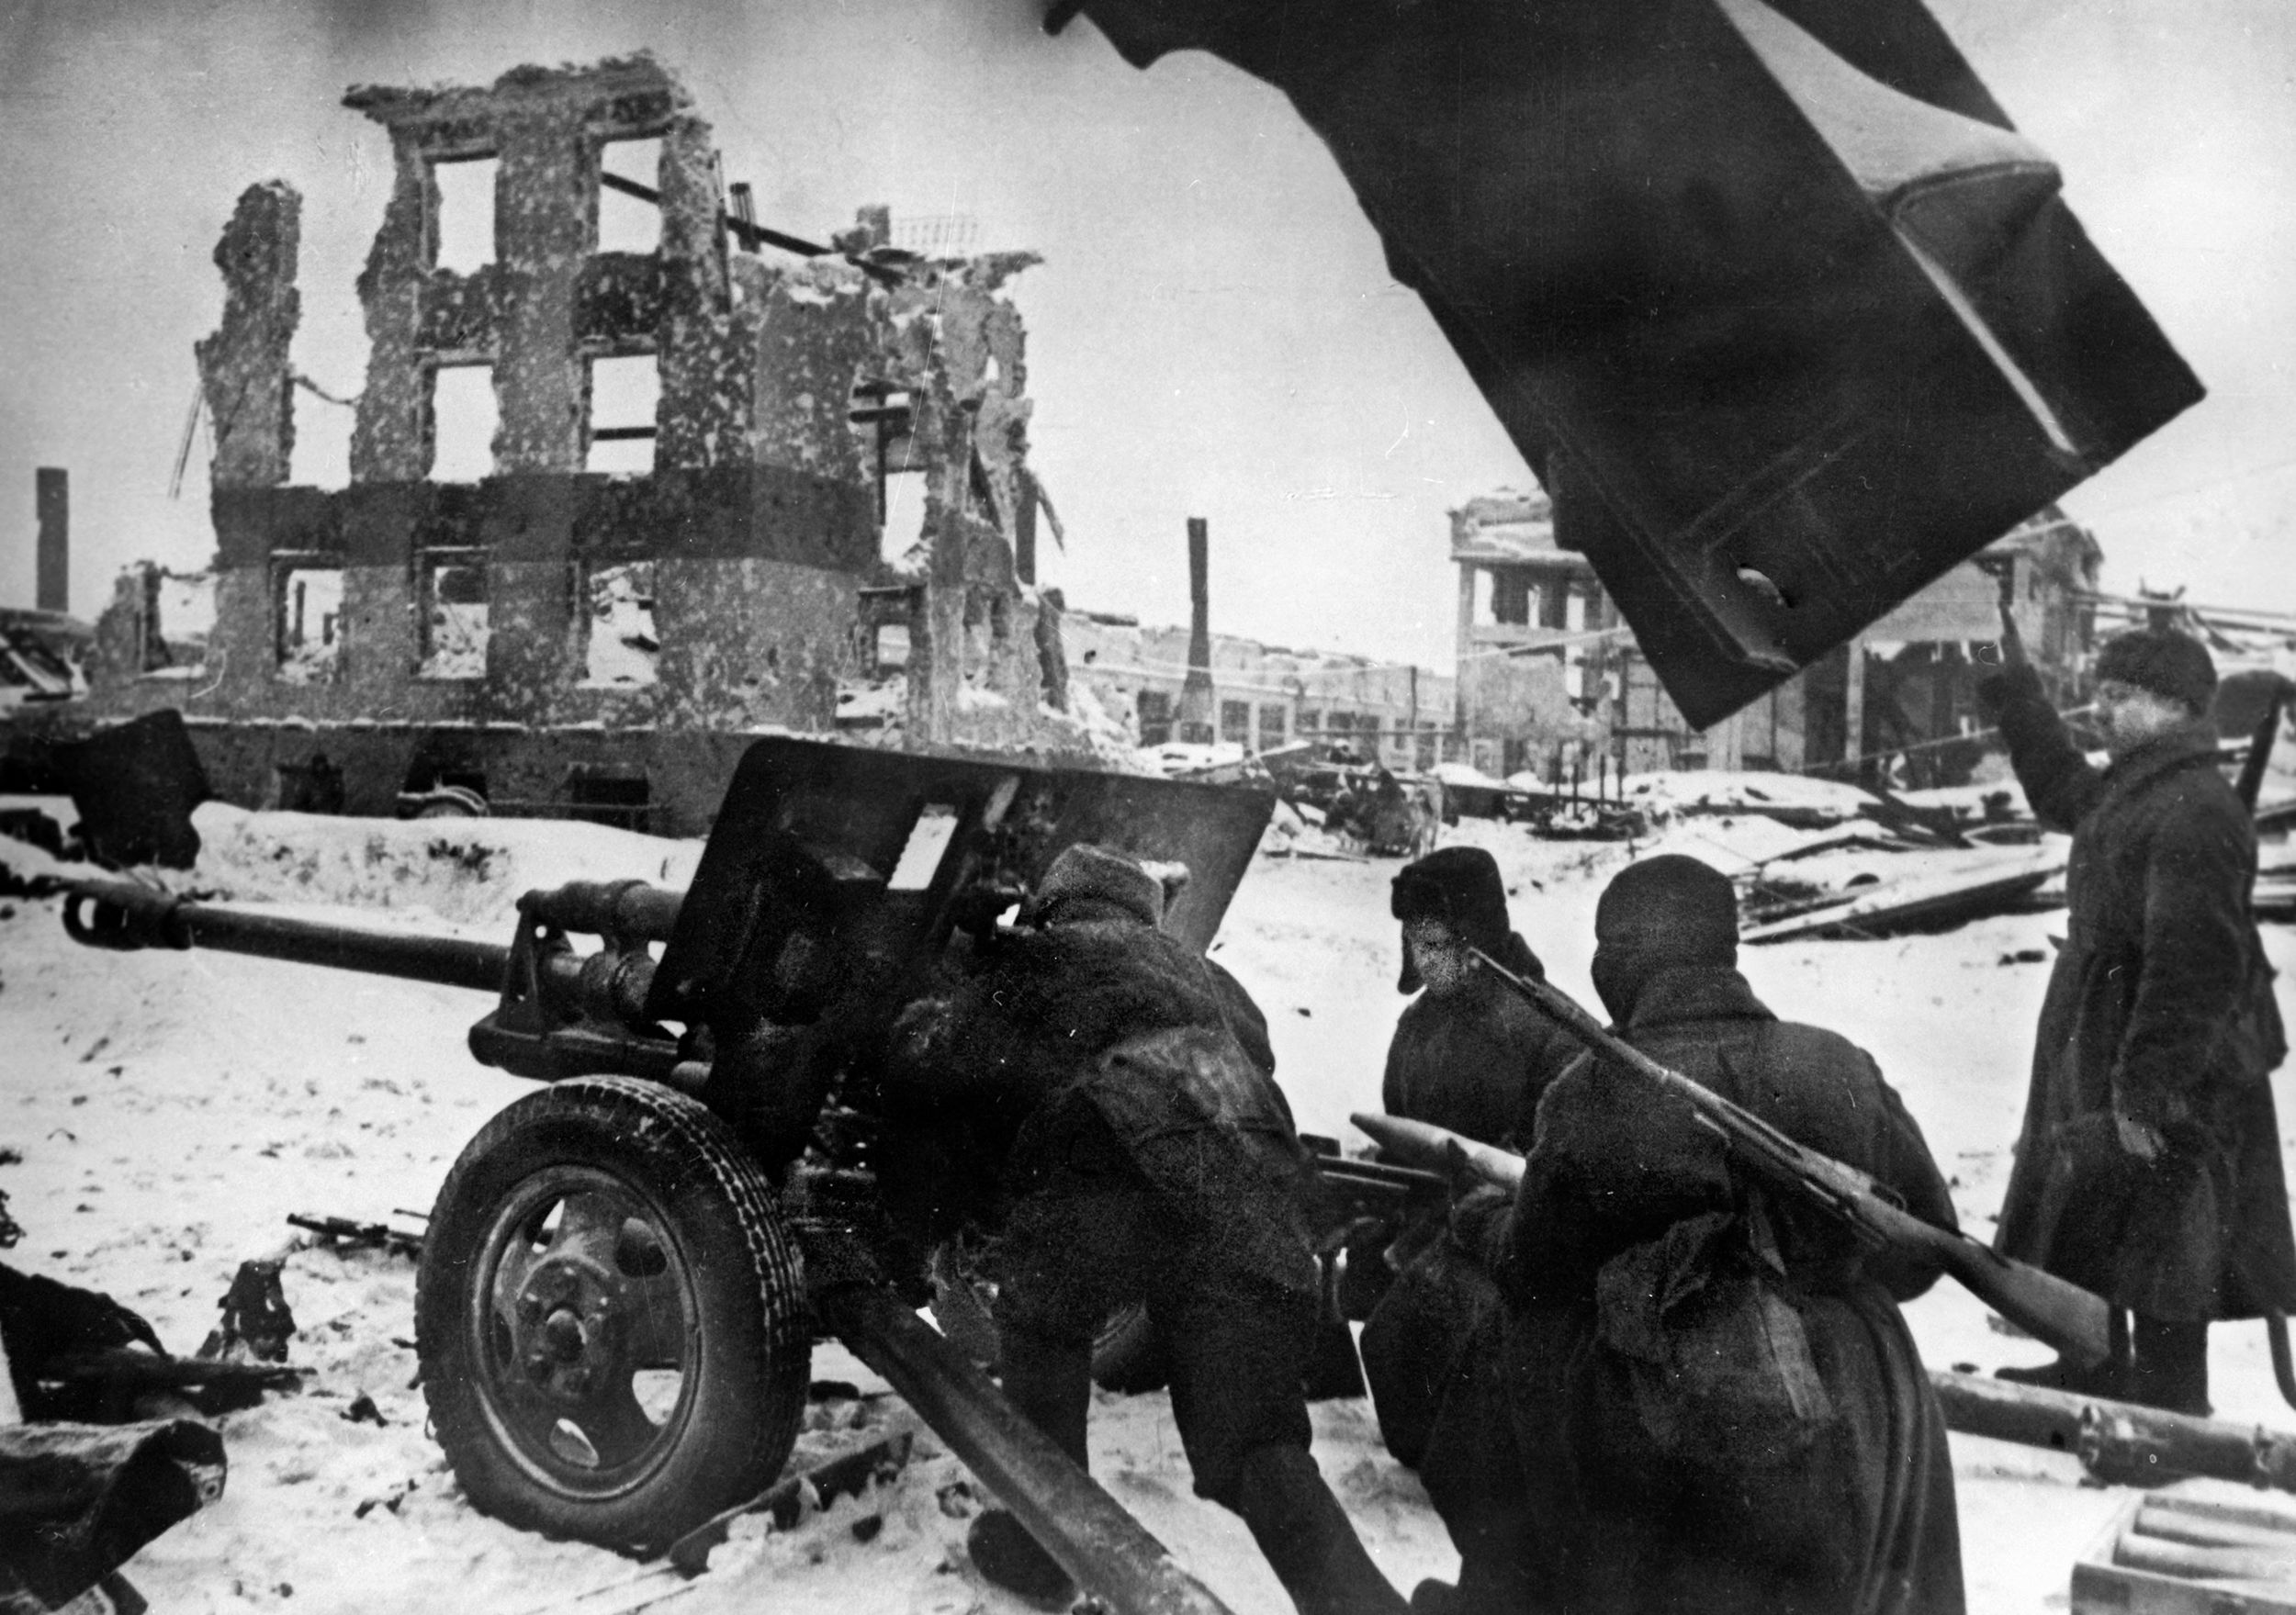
1262 696
1551 681
550 635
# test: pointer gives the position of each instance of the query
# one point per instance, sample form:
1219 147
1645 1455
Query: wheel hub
561 1333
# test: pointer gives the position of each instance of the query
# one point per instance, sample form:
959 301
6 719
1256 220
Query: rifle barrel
2074 1320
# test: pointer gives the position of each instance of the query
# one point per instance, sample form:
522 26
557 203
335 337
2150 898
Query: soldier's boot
1050 1383
1004 1554
1307 1538
2172 1366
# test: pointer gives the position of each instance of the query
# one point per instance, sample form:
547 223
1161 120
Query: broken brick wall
751 536
243 367
977 673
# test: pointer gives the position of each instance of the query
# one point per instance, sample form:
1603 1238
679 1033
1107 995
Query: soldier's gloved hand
2139 1138
2148 1118
921 1036
1996 692
1479 1219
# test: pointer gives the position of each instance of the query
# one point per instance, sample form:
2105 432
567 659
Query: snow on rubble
469 871
172 1109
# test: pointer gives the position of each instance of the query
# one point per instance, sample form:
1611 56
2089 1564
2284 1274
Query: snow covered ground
172 1109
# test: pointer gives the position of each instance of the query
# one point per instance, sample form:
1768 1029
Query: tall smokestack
1195 692
52 496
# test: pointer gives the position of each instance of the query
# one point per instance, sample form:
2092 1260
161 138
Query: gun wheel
611 1327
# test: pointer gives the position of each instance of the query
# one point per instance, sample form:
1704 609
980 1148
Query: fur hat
2174 666
1460 886
1670 908
1095 873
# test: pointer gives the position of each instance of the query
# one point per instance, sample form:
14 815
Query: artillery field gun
625 1271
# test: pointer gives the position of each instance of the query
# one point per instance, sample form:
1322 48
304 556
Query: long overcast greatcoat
1560 1481
2162 1004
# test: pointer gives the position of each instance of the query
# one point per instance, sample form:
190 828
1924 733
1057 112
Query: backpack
1704 1323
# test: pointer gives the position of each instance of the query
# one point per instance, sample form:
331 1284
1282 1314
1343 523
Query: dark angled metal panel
863 805
1777 421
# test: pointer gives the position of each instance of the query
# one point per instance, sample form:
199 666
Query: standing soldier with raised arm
2149 1169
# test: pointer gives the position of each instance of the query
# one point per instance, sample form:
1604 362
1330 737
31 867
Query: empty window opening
603 795
1235 722
186 616
309 622
884 416
935 826
454 605
1272 727
1510 597
178 615
622 646
1154 708
320 454
464 417
313 785
624 397
628 223
463 227
1553 604
890 651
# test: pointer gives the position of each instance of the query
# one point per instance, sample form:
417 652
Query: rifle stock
2063 1314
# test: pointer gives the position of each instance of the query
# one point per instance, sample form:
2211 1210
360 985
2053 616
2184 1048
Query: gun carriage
625 1271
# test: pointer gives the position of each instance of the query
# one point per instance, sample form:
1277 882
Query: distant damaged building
1551 682
675 537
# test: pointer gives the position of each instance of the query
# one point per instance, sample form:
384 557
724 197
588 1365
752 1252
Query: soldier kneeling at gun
1082 1098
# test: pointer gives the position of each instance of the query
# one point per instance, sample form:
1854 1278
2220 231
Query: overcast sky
1212 331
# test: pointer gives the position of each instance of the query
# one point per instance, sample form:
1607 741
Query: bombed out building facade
1550 681
548 636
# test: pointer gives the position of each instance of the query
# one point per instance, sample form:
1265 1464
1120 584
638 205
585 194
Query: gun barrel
120 915
2070 1318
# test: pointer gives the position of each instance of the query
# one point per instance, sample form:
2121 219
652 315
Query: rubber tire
738 1410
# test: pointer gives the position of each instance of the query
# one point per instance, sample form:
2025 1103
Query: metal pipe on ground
1110 1554
2117 1442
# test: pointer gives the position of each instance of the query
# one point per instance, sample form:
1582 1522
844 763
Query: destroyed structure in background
1550 680
545 633
1264 697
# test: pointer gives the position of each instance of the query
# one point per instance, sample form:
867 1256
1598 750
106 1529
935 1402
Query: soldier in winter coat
2149 1166
1467 1055
1083 1099
1696 1397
